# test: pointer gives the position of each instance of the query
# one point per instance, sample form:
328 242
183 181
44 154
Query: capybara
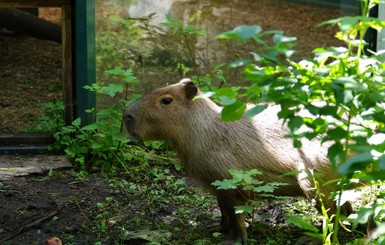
209 147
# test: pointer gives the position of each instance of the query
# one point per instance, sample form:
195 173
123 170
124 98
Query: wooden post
67 71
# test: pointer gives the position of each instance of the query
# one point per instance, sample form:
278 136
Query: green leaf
381 162
278 38
354 163
233 112
255 111
264 189
77 122
300 222
90 127
236 174
337 133
336 153
226 184
243 209
295 124
108 140
330 52
297 143
228 92
363 215
96 145
112 89
343 96
349 83
241 33
347 23
115 71
224 100
328 111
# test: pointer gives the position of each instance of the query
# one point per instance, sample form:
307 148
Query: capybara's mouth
135 140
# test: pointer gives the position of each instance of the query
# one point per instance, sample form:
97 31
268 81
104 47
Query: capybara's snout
129 118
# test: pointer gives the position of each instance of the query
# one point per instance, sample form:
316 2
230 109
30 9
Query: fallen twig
31 224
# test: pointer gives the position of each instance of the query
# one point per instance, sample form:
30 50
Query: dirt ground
33 209
99 210
30 74
29 206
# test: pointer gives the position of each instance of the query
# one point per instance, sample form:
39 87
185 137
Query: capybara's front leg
225 225
230 220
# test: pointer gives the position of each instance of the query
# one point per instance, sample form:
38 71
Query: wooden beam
33 3
67 69
21 21
18 139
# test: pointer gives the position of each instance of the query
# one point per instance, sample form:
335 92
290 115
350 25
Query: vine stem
341 186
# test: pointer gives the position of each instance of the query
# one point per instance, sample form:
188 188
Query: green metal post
84 63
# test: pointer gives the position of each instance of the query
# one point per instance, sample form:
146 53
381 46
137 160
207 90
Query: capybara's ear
189 88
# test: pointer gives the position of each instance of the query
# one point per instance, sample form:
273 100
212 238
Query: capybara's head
162 113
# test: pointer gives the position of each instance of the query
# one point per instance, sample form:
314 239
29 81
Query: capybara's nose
129 121
128 117
130 112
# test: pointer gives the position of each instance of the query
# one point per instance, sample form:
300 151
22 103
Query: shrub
343 90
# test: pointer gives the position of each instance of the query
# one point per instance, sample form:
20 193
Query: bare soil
33 209
30 74
29 205
101 210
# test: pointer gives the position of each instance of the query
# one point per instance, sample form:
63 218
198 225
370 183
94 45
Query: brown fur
209 147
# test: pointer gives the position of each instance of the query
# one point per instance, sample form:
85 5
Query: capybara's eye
166 101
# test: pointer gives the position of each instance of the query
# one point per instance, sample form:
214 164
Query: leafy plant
187 35
250 188
102 221
342 88
51 120
102 144
112 41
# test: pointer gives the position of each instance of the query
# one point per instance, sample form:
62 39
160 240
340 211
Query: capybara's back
208 147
